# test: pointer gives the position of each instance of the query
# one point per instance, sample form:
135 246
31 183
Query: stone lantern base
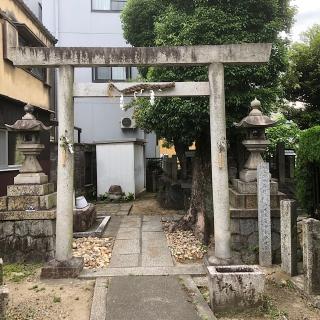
244 221
31 178
31 197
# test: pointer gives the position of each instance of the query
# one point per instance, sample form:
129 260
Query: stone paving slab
191 269
126 246
153 228
151 218
148 298
154 243
128 233
156 257
124 260
131 224
155 223
159 236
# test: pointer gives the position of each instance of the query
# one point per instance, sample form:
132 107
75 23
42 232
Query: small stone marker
4 294
288 220
264 216
311 255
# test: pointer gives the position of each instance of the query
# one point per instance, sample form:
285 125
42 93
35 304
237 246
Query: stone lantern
256 142
29 128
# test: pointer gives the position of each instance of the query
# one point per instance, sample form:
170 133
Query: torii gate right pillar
220 189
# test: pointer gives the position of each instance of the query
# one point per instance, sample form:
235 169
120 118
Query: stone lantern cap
28 122
256 119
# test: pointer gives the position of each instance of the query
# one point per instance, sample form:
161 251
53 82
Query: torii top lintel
246 53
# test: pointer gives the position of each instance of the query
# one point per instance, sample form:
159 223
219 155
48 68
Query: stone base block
30 189
48 201
3 204
251 187
4 298
63 269
45 202
31 178
250 201
83 219
235 286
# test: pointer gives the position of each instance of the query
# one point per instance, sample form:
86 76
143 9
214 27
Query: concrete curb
201 305
94 233
99 301
197 270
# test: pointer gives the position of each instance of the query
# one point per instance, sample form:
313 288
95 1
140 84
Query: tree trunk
181 149
199 216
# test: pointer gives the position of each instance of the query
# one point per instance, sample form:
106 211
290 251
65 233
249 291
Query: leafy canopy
302 81
285 131
308 155
204 22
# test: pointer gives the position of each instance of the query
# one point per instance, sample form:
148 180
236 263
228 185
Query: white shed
121 162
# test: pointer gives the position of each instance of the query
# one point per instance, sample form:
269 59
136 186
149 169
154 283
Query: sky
308 13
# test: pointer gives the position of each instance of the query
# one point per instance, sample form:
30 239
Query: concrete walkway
148 298
141 282
140 242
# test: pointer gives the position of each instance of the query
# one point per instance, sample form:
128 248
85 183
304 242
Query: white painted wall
139 168
74 24
120 164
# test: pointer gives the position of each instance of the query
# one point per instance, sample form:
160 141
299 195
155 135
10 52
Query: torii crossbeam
66 59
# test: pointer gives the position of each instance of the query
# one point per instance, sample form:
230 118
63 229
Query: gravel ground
184 246
95 251
35 299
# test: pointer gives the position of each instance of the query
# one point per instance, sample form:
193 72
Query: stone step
251 187
249 201
45 202
30 189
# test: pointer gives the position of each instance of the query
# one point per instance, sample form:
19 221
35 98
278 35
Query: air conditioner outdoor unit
128 123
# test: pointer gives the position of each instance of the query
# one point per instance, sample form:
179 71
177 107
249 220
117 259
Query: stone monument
31 190
243 192
27 213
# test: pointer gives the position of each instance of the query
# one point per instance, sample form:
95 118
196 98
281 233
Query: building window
104 74
107 5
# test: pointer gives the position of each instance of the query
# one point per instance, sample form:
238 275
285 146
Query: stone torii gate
66 59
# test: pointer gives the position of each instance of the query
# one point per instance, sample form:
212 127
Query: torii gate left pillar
68 58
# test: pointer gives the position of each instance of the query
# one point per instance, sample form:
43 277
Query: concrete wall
34 6
99 118
15 82
139 168
116 166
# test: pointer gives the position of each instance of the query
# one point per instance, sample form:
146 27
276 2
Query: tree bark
199 216
181 149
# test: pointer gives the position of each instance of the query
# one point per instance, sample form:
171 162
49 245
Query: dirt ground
147 204
33 299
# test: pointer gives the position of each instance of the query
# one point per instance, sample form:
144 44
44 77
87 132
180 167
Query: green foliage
124 198
203 22
308 155
302 80
285 131
17 272
269 308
